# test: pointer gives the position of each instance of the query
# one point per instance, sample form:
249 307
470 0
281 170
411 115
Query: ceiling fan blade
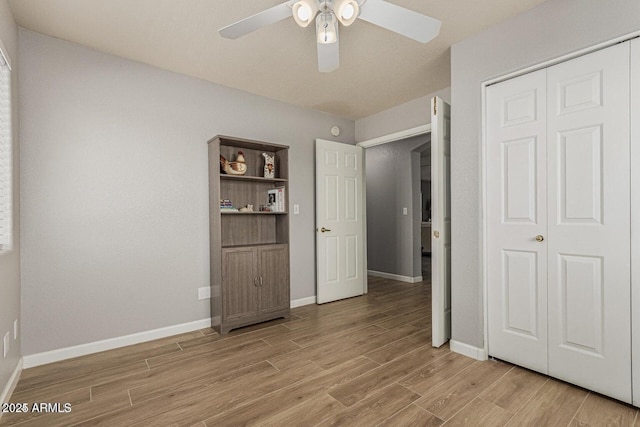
403 21
328 57
254 22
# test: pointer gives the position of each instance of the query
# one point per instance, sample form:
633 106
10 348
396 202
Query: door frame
396 136
483 352
385 139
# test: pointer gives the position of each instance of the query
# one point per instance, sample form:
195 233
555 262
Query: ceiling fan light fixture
304 11
327 28
347 11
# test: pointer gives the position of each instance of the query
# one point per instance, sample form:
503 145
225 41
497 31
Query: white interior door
635 219
558 221
589 221
516 214
440 221
340 221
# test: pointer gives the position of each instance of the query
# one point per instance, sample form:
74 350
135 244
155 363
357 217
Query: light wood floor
365 361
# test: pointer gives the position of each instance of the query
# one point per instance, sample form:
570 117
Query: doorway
394 208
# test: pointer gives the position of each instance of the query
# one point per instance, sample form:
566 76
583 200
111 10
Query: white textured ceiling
378 68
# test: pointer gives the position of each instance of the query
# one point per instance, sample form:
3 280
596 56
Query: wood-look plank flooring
364 361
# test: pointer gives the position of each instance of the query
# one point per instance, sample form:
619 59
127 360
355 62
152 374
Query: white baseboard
11 385
303 301
38 359
57 355
397 277
468 350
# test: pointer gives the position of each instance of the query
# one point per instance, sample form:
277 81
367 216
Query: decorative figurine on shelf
239 167
269 167
248 208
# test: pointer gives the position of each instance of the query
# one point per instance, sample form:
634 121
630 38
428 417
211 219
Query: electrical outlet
204 293
15 329
404 211
5 344
296 209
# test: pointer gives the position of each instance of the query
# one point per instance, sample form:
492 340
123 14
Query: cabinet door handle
260 281
255 282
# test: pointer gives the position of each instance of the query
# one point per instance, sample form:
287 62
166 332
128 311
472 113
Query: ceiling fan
328 13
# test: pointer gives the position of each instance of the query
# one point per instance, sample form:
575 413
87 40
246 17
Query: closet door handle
260 281
255 282
539 238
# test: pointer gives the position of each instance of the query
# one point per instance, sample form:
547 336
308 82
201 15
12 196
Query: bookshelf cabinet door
239 279
274 271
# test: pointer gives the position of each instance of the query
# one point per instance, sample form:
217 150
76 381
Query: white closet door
635 217
559 220
516 212
588 237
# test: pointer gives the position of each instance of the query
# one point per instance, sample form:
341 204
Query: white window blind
5 156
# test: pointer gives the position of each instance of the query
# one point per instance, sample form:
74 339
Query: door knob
539 238
436 234
324 229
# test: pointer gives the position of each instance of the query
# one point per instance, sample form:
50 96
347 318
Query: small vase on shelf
269 166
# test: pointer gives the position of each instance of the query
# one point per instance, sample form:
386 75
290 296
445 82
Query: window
6 162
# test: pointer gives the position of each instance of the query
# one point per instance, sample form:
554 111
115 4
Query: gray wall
10 260
401 117
553 29
114 190
393 182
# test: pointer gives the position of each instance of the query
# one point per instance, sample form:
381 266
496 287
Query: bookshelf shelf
251 178
253 213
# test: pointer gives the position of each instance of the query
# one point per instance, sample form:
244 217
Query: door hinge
435 110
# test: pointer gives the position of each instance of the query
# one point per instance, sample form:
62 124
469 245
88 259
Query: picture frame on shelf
276 199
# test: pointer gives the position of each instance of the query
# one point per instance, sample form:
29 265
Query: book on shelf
276 199
227 206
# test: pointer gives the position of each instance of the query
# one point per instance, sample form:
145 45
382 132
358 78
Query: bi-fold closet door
558 198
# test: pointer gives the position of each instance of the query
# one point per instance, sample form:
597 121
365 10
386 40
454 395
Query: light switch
404 211
296 209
